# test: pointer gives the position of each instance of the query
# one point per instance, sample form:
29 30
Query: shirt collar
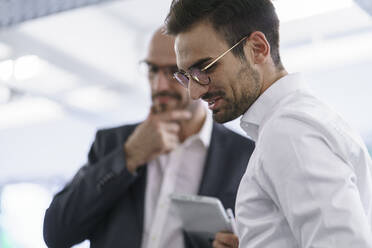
204 135
254 117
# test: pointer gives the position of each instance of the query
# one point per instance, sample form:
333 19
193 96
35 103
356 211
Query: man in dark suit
121 197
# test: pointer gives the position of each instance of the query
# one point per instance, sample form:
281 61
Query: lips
165 99
166 95
213 102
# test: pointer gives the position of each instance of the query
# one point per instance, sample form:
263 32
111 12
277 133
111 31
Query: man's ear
257 47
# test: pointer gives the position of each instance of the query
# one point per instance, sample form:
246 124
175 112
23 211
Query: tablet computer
202 216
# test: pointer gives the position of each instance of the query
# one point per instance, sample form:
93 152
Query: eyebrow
199 62
154 64
148 62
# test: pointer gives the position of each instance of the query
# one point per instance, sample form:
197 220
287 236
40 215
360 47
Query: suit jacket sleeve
84 202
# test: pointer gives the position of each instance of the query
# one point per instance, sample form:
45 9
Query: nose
196 90
161 81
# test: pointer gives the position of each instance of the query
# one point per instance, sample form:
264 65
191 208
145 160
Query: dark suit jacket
105 203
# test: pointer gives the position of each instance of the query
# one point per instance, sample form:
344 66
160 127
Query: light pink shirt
179 171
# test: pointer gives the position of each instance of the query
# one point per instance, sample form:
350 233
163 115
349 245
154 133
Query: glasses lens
200 76
182 79
171 69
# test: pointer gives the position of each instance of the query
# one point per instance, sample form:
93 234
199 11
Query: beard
178 102
245 96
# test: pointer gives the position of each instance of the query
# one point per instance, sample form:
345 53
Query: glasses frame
165 69
195 77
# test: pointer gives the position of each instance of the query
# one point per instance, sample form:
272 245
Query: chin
223 116
219 117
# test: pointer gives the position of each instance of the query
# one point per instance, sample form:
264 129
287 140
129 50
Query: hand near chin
158 134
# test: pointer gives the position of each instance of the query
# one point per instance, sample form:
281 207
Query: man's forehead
199 42
161 50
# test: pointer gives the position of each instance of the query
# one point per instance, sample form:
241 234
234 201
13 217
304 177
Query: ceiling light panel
15 11
31 73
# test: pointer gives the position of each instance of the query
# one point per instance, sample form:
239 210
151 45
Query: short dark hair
233 19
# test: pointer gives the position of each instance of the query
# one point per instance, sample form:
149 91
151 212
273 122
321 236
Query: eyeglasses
151 70
200 75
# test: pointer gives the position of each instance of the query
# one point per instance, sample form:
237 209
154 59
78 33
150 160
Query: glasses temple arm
216 59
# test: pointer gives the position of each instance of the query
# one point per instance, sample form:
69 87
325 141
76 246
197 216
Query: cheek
230 86
182 91
226 79
152 86
185 95
186 100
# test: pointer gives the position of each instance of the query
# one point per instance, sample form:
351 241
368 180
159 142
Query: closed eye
212 68
153 69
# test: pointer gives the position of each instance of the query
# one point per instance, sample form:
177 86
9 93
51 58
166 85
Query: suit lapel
138 194
138 191
214 168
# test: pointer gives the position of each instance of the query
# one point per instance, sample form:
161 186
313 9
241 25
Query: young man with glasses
121 197
309 181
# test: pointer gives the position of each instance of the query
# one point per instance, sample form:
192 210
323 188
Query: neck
193 126
271 77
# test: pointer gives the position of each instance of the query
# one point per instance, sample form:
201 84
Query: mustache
166 93
210 95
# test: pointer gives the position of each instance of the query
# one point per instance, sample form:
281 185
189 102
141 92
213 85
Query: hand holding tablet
203 216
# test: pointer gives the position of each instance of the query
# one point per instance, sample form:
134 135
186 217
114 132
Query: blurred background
69 67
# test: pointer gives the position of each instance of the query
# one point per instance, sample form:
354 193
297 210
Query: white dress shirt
180 171
309 181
